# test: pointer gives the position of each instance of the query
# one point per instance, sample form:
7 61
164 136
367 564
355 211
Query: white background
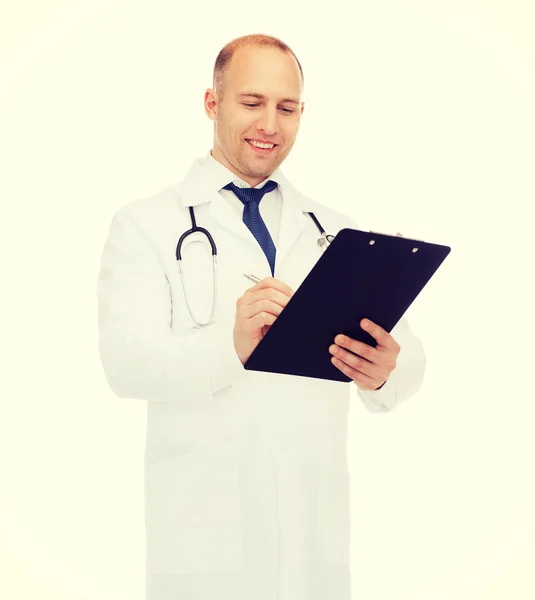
419 118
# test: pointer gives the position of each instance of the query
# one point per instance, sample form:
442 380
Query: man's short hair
227 52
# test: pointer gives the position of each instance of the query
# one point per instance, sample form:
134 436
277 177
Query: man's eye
286 110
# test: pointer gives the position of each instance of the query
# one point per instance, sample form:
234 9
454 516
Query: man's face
241 117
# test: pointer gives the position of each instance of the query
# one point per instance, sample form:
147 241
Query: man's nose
268 122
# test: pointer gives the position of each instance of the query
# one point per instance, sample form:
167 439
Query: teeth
259 145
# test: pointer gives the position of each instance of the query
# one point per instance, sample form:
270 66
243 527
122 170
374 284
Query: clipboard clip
397 235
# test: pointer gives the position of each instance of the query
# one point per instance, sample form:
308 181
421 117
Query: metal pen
252 278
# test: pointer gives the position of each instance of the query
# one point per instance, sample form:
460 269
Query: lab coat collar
207 177
203 182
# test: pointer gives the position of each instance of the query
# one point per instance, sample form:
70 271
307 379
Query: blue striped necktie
251 216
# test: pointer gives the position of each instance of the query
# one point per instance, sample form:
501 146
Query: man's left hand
368 367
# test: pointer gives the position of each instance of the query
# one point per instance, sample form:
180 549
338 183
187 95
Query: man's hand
368 367
256 311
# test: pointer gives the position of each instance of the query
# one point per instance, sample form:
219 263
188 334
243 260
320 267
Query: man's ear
211 103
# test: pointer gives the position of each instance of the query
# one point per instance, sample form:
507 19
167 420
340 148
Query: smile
261 148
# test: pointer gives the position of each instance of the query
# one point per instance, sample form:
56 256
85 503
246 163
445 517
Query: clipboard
362 274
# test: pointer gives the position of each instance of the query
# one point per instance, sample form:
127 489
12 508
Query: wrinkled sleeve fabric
407 378
141 355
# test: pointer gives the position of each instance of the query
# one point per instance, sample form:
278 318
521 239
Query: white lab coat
246 478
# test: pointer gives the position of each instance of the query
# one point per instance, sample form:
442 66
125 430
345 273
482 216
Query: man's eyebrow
261 97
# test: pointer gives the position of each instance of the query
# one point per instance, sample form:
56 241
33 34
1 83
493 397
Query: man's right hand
256 311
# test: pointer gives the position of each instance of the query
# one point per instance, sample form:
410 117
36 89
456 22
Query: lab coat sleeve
406 379
142 357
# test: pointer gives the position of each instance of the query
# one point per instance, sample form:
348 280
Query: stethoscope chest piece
325 240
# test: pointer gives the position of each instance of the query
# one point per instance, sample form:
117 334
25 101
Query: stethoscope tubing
194 229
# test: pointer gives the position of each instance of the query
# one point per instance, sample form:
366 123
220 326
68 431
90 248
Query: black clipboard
362 274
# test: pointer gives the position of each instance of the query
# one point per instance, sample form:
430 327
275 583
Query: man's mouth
261 148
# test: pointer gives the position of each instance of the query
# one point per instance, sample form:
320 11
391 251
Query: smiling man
246 473
257 108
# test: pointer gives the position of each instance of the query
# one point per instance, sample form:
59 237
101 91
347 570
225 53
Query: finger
357 363
356 347
382 336
261 306
362 380
272 282
383 358
262 320
267 294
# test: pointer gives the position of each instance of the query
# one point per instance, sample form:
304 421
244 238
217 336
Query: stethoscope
323 241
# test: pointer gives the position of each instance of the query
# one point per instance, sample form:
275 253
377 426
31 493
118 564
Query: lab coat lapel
196 190
293 221
222 212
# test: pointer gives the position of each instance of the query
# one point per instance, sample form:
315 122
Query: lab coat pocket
193 514
334 524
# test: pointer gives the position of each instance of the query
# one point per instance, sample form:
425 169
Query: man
247 487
